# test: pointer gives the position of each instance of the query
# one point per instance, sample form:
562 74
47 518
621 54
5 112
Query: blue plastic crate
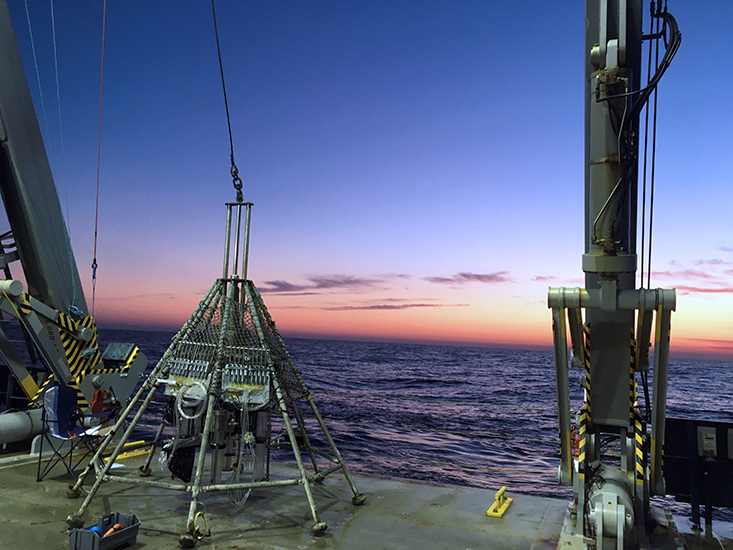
84 539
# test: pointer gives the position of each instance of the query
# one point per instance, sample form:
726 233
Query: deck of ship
398 515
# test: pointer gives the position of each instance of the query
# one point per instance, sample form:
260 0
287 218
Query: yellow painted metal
29 386
133 453
500 505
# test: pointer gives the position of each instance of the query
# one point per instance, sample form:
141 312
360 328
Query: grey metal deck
397 515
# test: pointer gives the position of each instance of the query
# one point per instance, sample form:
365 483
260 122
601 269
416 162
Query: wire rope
653 166
236 180
35 63
669 26
73 308
56 71
646 154
245 455
99 161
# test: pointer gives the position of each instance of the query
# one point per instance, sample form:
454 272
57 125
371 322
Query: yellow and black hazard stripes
585 410
582 440
64 322
81 356
639 451
119 369
635 415
25 306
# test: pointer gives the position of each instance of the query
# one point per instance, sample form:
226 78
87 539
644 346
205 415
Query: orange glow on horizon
488 315
500 326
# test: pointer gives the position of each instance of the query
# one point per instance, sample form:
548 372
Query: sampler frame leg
359 498
304 434
318 525
144 470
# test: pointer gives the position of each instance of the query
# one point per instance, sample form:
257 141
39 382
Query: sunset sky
416 167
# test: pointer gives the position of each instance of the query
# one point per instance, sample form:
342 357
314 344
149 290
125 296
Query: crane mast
610 320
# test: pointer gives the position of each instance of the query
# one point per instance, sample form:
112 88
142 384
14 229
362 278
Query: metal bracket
500 505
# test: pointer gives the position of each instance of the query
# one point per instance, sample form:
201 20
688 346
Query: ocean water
456 415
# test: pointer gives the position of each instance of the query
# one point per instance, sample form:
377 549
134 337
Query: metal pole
318 525
236 239
245 258
196 488
659 399
227 240
144 470
359 498
205 488
214 391
306 442
565 474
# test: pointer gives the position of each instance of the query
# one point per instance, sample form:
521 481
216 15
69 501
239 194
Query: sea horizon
724 357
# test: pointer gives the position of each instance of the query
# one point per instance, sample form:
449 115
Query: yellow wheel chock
500 504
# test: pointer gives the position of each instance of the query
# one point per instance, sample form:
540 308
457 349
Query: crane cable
99 159
657 27
35 62
73 309
664 23
236 180
654 154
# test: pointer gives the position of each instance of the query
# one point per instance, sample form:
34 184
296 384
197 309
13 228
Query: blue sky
416 167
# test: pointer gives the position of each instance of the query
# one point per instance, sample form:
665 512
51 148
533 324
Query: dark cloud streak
467 277
389 307
318 283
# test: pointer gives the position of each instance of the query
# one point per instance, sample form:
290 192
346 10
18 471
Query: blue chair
62 421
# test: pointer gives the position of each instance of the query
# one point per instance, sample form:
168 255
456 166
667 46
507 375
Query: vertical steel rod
659 399
213 392
144 470
236 238
245 257
227 240
563 394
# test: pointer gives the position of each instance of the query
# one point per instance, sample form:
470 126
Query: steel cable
99 161
236 180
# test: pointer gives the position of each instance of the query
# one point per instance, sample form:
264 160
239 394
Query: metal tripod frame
230 289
